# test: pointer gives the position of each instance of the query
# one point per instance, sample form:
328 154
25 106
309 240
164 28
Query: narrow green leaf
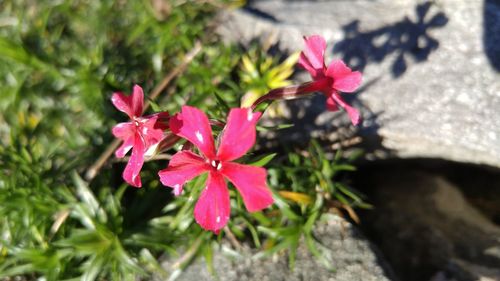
263 160
221 102
85 194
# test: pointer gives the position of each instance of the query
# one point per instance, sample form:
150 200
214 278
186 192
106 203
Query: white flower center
216 164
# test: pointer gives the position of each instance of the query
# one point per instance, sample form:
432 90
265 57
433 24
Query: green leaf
285 208
154 106
220 101
274 128
311 245
151 263
348 192
344 167
85 194
209 258
253 232
311 220
263 160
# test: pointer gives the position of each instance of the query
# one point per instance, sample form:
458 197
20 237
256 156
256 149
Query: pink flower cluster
145 134
141 133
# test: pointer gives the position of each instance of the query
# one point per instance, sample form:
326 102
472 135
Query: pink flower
212 209
331 80
141 134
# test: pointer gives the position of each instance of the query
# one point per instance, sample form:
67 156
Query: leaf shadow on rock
259 13
403 39
491 32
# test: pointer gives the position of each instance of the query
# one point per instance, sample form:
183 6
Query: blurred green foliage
261 72
60 61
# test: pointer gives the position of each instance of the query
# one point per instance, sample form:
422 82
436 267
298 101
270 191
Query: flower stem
290 92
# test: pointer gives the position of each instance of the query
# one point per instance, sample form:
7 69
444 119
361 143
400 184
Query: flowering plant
67 208
144 135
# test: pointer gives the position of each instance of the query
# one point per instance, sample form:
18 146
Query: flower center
328 81
216 164
137 121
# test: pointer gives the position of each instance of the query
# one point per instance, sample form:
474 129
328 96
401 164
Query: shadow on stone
333 130
256 12
404 38
491 33
434 219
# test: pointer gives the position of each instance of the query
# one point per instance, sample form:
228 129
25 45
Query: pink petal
213 208
149 131
124 130
123 103
304 63
131 105
239 134
134 165
192 124
344 79
331 105
251 183
351 111
137 100
183 167
161 121
348 83
314 51
337 68
125 147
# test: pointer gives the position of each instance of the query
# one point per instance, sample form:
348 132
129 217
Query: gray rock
345 249
426 227
430 88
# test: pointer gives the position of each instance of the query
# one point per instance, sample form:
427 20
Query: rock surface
426 227
346 250
431 88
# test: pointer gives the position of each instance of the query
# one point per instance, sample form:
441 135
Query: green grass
60 61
